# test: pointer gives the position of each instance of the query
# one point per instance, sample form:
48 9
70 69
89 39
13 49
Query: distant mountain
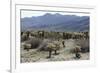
56 22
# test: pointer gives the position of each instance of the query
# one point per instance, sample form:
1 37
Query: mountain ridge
56 22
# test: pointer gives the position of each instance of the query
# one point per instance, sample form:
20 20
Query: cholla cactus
77 50
27 46
24 37
53 46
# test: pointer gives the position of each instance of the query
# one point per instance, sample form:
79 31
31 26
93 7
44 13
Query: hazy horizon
28 14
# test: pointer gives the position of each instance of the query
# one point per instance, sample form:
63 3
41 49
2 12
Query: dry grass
34 55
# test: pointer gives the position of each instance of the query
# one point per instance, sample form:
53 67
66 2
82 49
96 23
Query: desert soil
33 55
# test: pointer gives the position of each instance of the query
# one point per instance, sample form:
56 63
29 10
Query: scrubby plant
27 46
53 46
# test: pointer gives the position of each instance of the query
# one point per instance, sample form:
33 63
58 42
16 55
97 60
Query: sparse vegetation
40 45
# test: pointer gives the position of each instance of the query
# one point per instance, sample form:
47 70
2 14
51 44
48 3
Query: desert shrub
24 37
84 45
75 49
27 46
35 42
43 45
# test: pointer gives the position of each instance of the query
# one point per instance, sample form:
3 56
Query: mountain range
56 22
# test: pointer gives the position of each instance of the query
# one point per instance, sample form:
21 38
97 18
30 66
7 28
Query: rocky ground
35 55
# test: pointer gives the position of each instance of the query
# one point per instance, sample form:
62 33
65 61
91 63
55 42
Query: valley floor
34 55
